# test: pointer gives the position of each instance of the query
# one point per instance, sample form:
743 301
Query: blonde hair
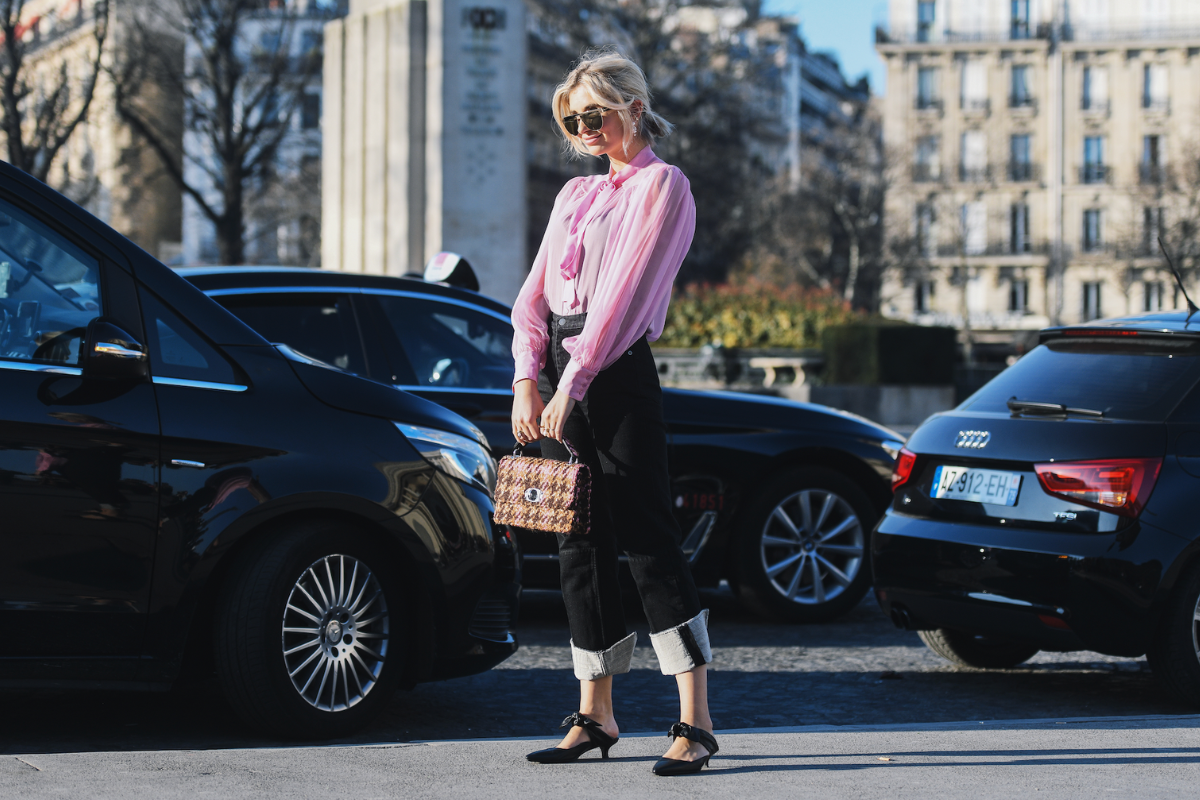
615 82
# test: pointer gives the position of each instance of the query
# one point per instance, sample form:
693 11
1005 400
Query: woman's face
609 140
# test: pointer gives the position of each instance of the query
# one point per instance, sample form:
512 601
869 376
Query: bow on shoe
694 734
581 721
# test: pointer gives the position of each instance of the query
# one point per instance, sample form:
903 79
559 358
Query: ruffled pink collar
578 222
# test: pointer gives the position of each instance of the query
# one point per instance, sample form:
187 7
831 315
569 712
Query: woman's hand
527 407
554 415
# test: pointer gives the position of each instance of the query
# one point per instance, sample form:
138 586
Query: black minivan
1055 509
178 492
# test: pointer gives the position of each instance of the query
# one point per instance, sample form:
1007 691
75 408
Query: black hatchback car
778 497
1055 508
178 492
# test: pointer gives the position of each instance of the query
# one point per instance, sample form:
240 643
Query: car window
452 346
1125 377
49 291
177 350
321 326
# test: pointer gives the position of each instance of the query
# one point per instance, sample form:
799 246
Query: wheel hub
335 633
812 546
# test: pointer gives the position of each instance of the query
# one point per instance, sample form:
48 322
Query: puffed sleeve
640 262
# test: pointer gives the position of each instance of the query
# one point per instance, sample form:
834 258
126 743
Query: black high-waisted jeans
618 431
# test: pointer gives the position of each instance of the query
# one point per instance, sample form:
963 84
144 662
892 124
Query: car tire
313 602
979 652
1174 654
781 562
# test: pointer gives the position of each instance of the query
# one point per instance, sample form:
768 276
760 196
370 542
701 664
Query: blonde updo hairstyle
615 82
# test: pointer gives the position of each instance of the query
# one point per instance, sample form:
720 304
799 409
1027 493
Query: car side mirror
110 352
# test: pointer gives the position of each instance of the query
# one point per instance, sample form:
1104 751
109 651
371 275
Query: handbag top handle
517 451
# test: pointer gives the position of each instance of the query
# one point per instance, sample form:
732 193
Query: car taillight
903 469
1119 485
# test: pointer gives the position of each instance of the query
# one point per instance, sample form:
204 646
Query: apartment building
102 165
800 96
283 222
1040 150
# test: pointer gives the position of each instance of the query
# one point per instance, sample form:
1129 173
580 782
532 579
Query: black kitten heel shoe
563 755
673 766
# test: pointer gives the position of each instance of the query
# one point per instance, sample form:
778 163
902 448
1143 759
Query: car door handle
113 349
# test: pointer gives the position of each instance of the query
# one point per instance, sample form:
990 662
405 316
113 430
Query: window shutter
974 154
1099 86
975 228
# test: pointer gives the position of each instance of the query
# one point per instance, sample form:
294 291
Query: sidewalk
1146 757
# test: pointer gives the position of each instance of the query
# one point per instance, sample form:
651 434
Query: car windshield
1125 377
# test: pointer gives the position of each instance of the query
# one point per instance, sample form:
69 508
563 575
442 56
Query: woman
596 297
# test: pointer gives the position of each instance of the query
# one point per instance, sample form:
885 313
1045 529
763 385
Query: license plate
991 486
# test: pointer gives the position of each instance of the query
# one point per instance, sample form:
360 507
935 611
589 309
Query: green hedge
753 315
876 352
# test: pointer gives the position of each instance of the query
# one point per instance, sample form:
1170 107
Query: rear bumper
1060 591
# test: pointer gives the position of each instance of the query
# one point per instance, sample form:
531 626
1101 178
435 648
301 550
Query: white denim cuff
684 647
593 664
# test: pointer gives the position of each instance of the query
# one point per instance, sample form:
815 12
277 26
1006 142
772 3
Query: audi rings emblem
533 495
974 440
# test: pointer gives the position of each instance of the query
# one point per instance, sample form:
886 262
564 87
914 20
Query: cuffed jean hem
684 647
592 665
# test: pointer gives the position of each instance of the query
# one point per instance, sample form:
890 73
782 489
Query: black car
180 494
778 497
1055 508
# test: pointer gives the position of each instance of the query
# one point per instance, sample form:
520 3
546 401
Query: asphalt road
858 670
1129 757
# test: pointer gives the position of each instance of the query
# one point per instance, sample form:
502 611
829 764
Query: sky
846 27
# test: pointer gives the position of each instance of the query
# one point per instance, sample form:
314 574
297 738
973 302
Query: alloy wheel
1196 629
812 546
335 632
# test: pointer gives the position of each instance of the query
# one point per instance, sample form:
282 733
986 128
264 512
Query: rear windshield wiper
1034 407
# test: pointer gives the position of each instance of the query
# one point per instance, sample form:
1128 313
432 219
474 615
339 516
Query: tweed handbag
544 494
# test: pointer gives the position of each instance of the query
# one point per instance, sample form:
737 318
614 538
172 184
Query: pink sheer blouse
612 249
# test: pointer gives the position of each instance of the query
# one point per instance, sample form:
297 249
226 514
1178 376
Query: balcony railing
1095 173
1022 101
1020 29
997 248
1097 107
924 34
926 173
974 174
1152 173
1096 248
1108 33
927 34
1024 171
1156 105
976 105
928 104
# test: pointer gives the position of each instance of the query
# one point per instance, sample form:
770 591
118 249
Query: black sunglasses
592 119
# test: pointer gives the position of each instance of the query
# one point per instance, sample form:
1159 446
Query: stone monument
423 132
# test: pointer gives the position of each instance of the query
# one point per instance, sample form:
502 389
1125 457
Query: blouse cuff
576 379
528 365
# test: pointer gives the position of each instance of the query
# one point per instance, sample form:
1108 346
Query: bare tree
703 84
1165 204
42 102
829 231
241 72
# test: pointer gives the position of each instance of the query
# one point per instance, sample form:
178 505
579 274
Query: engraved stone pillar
424 138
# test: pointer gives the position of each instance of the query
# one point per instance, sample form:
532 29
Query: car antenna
1178 282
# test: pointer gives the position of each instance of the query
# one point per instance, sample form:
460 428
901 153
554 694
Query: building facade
102 165
1040 149
283 218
